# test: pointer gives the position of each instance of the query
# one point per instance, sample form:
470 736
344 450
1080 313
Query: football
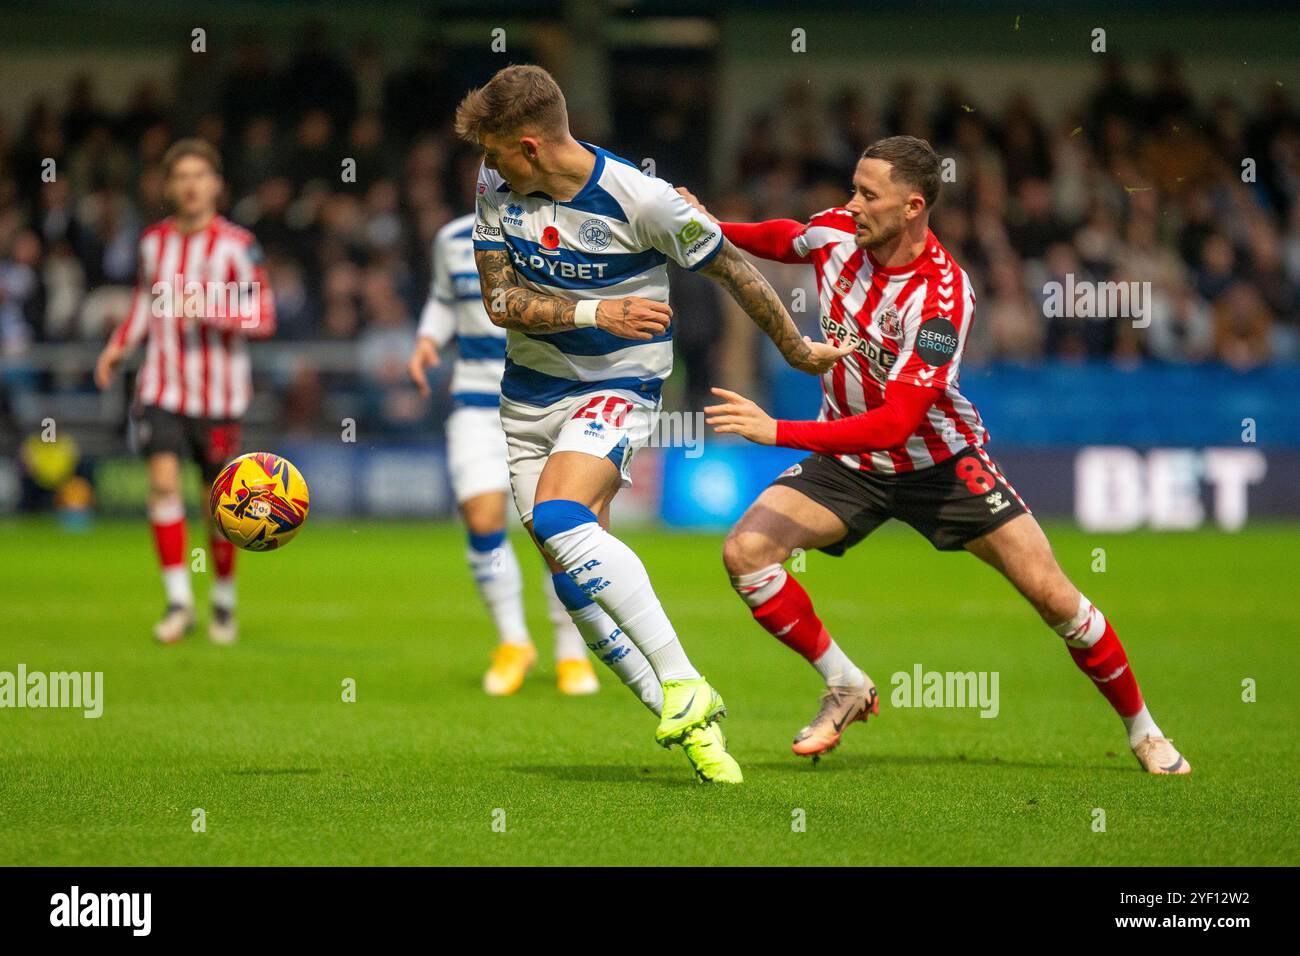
259 501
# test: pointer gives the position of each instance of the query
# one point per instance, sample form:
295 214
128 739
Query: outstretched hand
737 415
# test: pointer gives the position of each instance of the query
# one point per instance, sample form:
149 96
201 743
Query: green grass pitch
417 768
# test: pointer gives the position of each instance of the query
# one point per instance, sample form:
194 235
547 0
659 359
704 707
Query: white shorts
476 452
609 424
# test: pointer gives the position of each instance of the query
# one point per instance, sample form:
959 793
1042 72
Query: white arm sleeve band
584 316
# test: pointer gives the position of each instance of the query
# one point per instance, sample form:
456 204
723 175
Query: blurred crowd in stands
1139 182
1202 200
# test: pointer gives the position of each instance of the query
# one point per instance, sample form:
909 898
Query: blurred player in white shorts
480 479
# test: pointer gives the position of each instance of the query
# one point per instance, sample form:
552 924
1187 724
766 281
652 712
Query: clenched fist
820 357
633 317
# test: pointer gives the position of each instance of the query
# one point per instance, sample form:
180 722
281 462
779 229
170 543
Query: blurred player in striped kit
480 480
201 291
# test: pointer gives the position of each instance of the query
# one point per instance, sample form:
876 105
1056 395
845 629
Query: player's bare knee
1062 601
1053 597
745 552
164 476
164 486
482 523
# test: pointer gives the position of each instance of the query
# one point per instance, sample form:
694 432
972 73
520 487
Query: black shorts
950 503
209 442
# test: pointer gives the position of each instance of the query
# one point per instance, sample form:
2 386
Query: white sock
176 583
671 663
1140 725
1085 628
758 587
620 655
222 593
569 644
501 586
837 670
614 577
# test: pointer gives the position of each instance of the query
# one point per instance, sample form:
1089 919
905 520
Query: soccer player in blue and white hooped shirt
572 244
476 452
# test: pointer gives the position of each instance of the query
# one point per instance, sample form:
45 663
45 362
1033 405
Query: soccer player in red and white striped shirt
201 291
896 439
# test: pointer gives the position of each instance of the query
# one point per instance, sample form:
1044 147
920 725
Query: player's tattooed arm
511 306
756 296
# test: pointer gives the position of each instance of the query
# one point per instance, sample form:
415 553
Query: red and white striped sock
1097 652
782 606
222 593
167 516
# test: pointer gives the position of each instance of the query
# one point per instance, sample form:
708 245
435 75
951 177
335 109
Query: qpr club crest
891 326
595 235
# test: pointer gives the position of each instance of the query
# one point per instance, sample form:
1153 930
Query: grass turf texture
411 773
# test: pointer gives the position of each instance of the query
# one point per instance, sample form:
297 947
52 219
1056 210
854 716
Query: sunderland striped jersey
198 296
908 323
455 311
613 239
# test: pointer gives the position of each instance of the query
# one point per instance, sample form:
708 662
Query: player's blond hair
518 99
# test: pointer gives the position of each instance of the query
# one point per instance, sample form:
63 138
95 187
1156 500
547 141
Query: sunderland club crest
891 326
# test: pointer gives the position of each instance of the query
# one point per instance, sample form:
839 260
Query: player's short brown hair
914 162
517 99
191 147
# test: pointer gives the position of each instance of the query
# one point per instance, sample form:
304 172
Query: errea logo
74 908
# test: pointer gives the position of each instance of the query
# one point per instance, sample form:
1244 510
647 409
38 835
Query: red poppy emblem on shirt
551 237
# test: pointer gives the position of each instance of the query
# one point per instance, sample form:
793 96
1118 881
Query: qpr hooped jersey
455 310
613 239
908 323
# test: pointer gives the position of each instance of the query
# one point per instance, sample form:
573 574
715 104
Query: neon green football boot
687 704
706 748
